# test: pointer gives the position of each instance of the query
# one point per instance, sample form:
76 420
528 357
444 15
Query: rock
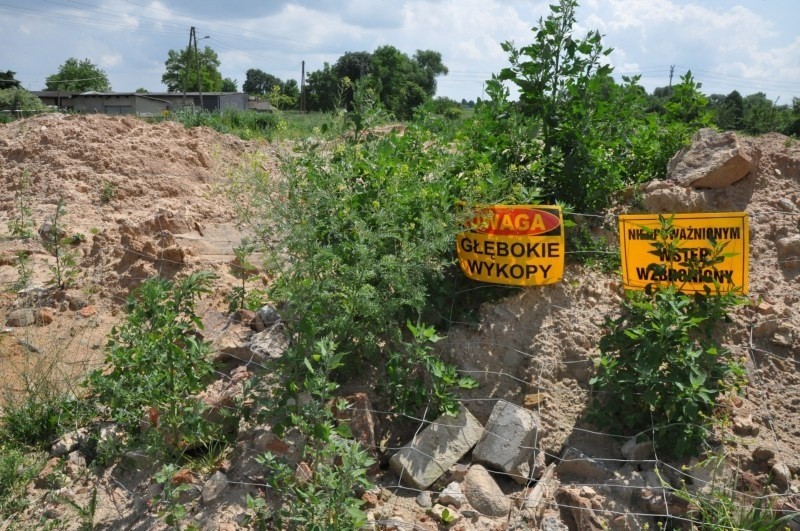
87 311
781 476
459 471
552 523
361 420
48 233
786 205
269 344
789 252
44 316
743 424
580 508
578 466
231 343
714 160
666 196
75 464
289 449
214 487
483 493
21 317
243 316
445 515
509 440
438 447
633 451
452 495
69 442
763 454
424 499
268 315
76 300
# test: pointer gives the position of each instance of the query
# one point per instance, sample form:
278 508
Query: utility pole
671 71
303 87
186 66
199 76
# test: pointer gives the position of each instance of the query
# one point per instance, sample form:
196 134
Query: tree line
401 84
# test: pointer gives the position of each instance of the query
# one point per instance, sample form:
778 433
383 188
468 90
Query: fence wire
536 365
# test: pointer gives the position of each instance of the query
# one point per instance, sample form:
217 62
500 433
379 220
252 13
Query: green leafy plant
660 365
326 498
366 234
21 223
417 377
243 269
65 269
169 508
108 192
721 507
24 271
16 469
156 364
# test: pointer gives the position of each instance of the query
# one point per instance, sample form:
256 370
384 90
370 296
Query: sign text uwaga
693 232
519 245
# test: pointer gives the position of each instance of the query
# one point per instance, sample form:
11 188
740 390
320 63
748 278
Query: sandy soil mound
538 346
147 197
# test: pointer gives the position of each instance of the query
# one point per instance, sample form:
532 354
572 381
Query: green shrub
327 499
16 470
157 364
363 235
247 125
660 365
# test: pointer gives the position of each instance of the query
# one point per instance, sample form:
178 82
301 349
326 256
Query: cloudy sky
745 45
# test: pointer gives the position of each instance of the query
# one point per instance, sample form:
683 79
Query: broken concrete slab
438 447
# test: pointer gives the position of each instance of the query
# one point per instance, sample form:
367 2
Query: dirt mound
147 196
538 346
147 199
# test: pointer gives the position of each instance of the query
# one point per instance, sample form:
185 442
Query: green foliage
21 224
687 104
7 80
65 269
16 469
401 83
181 70
78 76
242 270
229 85
258 82
24 271
327 498
18 102
169 506
247 125
660 365
157 363
108 192
416 377
722 508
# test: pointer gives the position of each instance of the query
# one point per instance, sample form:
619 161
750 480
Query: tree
181 70
257 82
229 85
292 90
78 76
353 66
7 80
322 90
142 90
429 67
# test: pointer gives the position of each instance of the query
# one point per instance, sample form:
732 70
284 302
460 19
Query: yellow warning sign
517 245
692 236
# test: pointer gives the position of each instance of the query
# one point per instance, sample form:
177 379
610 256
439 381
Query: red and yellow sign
693 233
517 245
